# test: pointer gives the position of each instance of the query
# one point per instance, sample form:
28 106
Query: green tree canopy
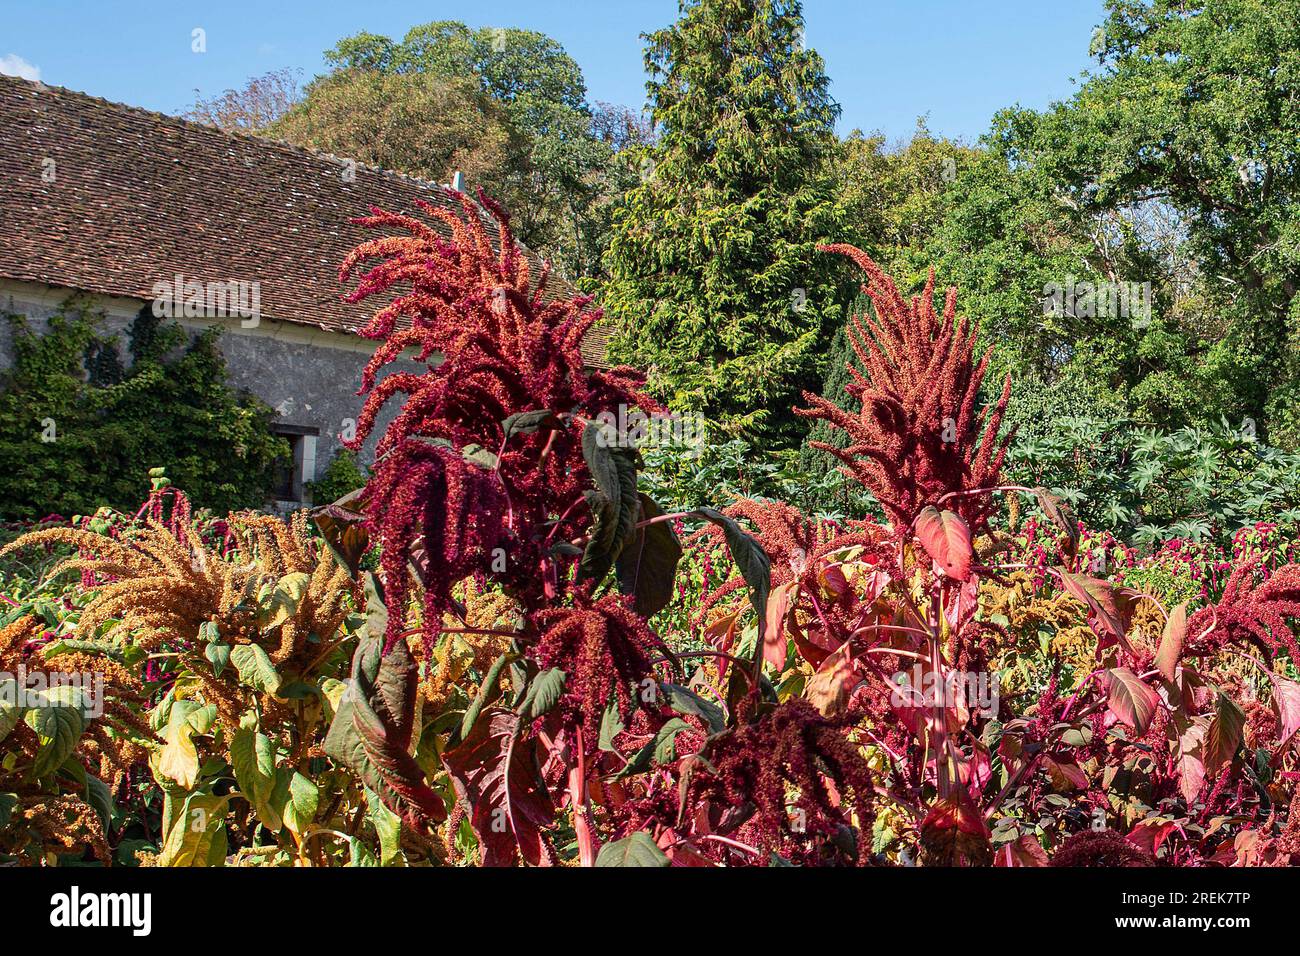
1192 119
714 274
538 145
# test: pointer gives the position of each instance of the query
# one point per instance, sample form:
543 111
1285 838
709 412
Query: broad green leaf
8 801
59 723
252 755
526 423
754 564
10 712
647 565
197 835
218 655
686 701
388 827
487 693
543 692
359 854
303 801
615 503
285 598
636 850
100 797
255 668
611 725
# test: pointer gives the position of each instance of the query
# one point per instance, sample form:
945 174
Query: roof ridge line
239 135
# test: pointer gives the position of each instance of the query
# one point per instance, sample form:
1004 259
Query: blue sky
890 61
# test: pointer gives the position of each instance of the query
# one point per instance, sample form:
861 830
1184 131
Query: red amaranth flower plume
1251 612
1100 848
798 774
917 436
604 649
448 488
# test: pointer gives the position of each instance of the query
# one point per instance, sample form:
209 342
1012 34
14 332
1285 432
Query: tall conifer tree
716 284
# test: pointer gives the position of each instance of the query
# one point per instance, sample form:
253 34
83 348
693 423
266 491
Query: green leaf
255 668
218 654
359 854
302 803
197 835
487 693
252 755
615 504
647 565
526 423
754 564
285 598
59 724
658 751
636 850
10 712
100 798
611 725
388 827
8 801
543 693
686 701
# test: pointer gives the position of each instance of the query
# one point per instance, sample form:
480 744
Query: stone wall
309 376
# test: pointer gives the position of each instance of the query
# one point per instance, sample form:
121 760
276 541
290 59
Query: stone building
126 206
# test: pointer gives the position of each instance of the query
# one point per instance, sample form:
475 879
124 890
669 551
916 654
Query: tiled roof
135 197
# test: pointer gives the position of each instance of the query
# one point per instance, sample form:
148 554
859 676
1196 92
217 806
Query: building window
294 471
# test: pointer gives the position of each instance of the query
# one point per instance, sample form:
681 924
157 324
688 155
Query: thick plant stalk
588 843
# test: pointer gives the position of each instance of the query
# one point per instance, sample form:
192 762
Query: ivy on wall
81 424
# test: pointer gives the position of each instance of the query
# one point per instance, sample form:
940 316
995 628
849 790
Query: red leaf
1171 644
1129 699
1191 766
1109 605
1224 736
834 581
1286 697
1026 851
946 538
1065 776
829 689
774 643
495 773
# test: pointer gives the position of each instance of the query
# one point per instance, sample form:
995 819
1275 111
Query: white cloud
14 65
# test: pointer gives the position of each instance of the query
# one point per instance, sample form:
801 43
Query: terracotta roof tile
138 197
